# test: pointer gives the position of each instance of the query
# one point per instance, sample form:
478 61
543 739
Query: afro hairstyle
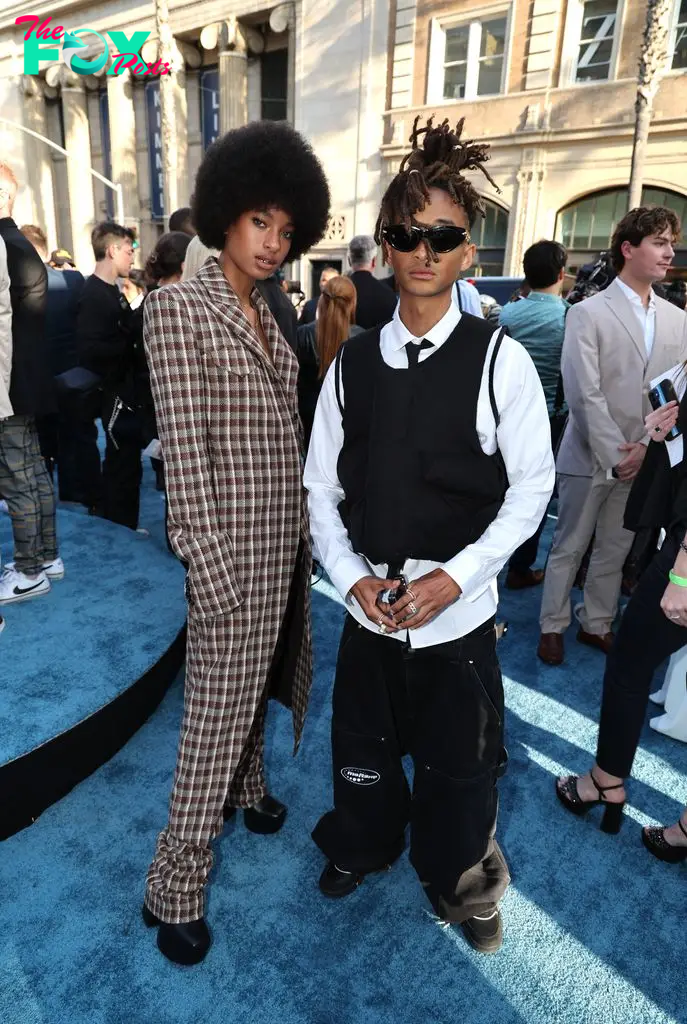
438 156
263 164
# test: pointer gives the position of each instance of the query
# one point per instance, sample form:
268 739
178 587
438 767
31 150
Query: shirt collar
400 335
544 297
634 297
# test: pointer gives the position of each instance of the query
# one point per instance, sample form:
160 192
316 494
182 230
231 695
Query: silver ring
382 628
412 608
674 616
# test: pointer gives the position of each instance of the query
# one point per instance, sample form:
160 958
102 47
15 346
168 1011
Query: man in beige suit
615 343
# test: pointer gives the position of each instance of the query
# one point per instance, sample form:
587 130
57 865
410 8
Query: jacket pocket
212 586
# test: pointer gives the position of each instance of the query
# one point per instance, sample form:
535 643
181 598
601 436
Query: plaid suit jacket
232 445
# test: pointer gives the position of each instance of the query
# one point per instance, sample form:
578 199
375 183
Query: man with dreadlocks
430 463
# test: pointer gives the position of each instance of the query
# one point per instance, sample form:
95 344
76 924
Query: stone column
233 76
79 180
120 105
38 159
526 208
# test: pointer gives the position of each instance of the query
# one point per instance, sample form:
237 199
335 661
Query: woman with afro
429 464
224 384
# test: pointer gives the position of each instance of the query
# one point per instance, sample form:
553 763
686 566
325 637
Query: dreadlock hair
435 161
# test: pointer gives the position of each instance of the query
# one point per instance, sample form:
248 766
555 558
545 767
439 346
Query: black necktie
413 351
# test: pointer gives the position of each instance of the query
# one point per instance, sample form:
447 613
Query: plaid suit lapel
223 300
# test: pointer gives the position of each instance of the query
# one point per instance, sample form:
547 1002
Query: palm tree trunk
652 62
167 55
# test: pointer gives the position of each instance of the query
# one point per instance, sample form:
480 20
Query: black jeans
645 639
443 705
122 470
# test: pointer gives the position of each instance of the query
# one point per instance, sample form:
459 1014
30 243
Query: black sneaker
485 934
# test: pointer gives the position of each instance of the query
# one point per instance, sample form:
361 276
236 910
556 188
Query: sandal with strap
654 839
566 791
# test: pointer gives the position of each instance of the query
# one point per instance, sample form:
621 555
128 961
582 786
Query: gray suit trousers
587 506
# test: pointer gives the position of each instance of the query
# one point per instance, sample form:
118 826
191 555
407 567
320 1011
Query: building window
106 149
585 227
274 67
590 43
489 235
467 60
678 48
599 19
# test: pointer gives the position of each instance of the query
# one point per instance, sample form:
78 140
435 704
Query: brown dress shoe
601 642
550 648
520 580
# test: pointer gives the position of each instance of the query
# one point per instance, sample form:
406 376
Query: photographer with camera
109 345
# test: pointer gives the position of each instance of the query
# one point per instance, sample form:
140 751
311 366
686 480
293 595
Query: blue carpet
594 926
65 655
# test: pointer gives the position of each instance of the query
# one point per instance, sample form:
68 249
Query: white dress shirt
469 298
524 439
646 316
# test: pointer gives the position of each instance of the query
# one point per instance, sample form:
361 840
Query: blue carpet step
83 667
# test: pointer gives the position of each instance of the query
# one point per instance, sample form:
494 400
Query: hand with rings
424 599
366 592
661 421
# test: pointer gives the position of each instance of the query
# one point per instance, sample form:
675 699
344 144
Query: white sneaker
53 570
15 586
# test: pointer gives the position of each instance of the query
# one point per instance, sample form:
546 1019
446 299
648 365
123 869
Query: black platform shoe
655 841
266 817
185 944
485 934
573 802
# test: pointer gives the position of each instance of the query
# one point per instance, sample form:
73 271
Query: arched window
586 226
489 235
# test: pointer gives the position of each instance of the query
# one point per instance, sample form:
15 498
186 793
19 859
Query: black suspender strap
492 397
337 379
459 296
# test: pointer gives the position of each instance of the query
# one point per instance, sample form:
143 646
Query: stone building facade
550 84
322 64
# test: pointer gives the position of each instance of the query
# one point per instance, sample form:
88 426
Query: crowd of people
403 439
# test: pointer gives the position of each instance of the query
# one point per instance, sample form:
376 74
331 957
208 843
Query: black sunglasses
441 239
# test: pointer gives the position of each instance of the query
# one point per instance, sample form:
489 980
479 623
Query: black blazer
376 301
32 387
64 293
281 308
309 311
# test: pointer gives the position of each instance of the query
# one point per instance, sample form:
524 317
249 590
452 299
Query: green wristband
679 581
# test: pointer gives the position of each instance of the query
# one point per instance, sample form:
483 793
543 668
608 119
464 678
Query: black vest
416 481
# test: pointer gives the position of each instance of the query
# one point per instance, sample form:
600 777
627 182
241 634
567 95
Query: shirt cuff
347 571
465 570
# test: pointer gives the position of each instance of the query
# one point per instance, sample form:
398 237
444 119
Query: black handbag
80 392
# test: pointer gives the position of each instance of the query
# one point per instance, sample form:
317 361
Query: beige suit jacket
5 335
606 376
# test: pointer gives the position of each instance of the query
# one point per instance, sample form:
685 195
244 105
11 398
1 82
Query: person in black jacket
376 301
653 627
24 480
107 345
309 311
58 434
